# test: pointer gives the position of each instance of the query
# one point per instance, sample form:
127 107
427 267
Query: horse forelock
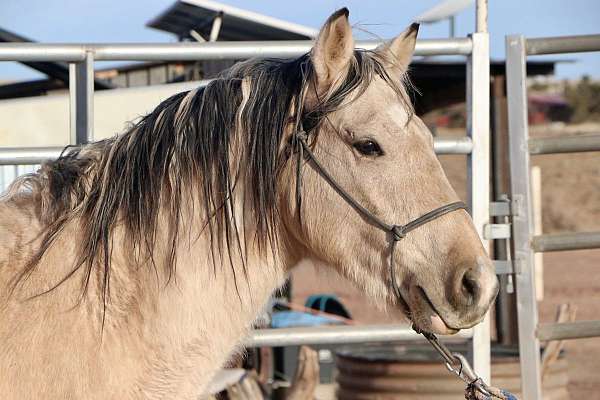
217 144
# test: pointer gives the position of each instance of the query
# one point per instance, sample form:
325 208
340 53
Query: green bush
584 99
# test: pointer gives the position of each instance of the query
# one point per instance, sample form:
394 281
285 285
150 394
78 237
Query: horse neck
176 334
208 307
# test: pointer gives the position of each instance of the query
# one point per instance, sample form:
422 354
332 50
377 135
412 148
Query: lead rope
456 363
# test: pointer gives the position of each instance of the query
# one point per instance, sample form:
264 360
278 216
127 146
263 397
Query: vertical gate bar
72 103
81 100
478 168
89 96
481 10
529 345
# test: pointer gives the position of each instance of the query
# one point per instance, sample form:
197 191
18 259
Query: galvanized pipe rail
188 51
564 144
562 44
569 330
339 335
566 241
525 244
37 155
28 155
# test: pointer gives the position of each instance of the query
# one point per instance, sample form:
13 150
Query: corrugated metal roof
238 24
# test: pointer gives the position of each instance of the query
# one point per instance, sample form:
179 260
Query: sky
72 21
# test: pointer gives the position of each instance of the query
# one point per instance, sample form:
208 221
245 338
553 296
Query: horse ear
398 52
333 49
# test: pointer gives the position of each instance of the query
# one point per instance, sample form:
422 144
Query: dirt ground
574 277
570 202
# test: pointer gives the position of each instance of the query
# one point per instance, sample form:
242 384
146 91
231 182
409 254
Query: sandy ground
571 202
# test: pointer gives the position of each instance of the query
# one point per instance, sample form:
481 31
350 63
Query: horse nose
475 287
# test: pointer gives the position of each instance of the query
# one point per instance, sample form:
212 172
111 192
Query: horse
133 267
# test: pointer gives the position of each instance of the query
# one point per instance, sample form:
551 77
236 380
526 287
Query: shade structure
185 16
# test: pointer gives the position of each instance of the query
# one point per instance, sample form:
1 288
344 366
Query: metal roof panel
186 15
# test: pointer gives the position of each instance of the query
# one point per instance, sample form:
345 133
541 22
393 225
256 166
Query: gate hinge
517 205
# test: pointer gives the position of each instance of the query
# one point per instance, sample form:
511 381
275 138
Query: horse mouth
421 311
430 319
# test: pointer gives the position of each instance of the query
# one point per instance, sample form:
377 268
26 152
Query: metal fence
525 243
81 58
476 145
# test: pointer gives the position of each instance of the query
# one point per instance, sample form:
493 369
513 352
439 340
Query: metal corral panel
44 121
238 24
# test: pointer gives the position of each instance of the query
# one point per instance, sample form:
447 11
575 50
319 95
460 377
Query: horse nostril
470 286
473 288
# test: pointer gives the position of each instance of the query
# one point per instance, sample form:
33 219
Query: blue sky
124 21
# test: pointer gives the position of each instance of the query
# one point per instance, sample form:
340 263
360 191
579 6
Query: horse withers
133 267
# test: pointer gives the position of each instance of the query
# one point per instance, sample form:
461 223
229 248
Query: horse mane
211 139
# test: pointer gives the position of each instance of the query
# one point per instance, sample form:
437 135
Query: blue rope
471 393
508 395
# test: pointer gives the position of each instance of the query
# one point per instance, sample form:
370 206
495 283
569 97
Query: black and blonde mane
211 139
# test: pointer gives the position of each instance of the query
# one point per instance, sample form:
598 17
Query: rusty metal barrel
413 372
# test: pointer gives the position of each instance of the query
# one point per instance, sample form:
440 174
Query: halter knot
398 233
301 135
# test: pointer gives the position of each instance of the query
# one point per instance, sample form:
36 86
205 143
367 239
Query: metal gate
525 244
475 146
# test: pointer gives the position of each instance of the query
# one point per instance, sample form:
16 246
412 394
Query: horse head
381 156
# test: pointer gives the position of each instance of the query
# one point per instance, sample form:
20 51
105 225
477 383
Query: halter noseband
397 232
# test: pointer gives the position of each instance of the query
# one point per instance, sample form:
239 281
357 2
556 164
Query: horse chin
439 326
432 322
424 316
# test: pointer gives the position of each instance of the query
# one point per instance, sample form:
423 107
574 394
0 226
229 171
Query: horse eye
368 147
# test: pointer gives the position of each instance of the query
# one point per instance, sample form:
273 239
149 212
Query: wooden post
307 375
536 196
566 313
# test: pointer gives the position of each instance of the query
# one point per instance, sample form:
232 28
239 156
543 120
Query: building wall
44 120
